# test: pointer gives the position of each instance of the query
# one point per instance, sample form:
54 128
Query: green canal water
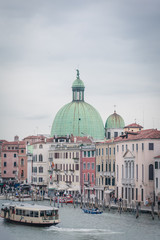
77 225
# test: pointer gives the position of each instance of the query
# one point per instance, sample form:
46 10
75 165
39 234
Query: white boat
30 214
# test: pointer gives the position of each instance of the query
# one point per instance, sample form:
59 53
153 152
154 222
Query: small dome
114 121
78 83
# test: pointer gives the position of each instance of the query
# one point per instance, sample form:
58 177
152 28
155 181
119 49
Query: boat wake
82 230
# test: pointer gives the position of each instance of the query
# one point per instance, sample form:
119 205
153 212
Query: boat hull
91 211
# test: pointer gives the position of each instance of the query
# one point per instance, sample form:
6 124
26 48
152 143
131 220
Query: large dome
78 117
114 121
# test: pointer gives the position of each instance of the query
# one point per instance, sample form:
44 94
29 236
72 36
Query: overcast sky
114 43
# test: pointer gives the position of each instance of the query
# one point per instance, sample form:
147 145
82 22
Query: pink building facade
14 161
88 171
135 153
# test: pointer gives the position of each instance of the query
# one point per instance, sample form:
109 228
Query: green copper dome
78 117
114 121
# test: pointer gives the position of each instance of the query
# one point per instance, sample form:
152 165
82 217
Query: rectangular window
133 147
15 164
15 155
99 151
109 135
98 168
122 192
125 193
142 173
137 172
102 166
76 167
126 147
110 167
4 172
89 153
156 165
109 151
92 153
40 179
117 148
92 166
106 151
122 148
137 147
151 146
5 164
142 195
84 165
114 150
113 166
142 146
156 182
88 166
115 134
117 174
106 167
136 193
84 153
132 193
5 155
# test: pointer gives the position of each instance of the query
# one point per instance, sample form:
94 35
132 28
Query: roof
143 134
29 206
133 125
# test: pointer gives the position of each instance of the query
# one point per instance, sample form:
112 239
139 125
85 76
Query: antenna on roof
115 108
135 120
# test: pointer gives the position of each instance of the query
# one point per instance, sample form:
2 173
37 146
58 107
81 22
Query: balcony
86 183
50 170
68 183
76 159
107 174
128 181
50 159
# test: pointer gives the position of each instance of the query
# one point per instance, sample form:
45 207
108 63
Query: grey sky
114 43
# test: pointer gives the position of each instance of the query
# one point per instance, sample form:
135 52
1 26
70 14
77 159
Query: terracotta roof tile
143 134
133 125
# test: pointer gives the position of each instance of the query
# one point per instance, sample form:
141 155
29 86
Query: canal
80 226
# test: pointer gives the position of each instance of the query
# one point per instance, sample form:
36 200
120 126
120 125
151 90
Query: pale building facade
157 177
105 170
135 165
64 167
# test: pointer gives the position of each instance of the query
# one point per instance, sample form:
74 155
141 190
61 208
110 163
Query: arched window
151 177
88 177
22 162
40 158
92 178
40 169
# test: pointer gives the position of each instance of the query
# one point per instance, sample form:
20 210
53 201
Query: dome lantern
78 89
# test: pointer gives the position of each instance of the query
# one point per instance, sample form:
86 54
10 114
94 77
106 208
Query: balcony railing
86 183
128 181
50 159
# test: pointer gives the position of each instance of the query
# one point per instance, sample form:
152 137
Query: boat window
42 214
35 214
31 213
27 213
49 213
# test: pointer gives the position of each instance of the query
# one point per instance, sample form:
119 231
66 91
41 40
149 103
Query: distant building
14 161
157 177
134 127
105 170
88 171
135 152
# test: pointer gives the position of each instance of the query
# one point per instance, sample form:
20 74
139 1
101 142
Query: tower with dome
78 118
